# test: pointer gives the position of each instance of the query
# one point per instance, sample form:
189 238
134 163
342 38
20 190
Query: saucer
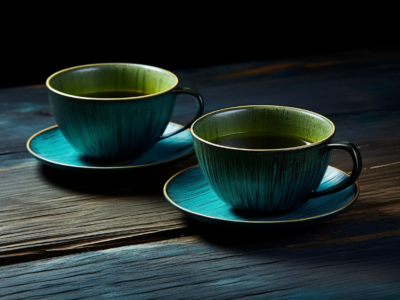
189 192
50 147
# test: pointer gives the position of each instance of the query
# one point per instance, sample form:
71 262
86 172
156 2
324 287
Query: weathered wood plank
54 207
58 211
44 210
213 266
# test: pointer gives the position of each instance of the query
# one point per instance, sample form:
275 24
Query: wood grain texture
46 212
206 267
51 207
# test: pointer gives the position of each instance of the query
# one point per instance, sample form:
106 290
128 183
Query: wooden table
67 235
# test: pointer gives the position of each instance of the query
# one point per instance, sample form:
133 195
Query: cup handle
357 166
200 110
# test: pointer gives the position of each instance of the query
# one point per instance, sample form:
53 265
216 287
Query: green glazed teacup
115 111
268 179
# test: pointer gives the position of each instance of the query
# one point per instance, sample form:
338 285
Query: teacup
268 179
115 111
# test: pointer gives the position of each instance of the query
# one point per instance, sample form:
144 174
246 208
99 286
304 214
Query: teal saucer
50 147
189 192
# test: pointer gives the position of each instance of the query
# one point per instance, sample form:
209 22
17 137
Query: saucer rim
51 162
259 222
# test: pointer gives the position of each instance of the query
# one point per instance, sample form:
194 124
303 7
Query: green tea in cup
268 158
259 140
115 111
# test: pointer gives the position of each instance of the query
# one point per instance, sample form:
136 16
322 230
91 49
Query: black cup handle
357 166
200 110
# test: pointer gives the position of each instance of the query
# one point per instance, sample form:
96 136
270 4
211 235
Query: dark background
38 41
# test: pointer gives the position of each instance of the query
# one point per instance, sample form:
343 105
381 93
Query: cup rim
106 99
263 150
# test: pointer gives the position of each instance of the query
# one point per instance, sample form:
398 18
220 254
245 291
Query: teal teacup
268 158
115 111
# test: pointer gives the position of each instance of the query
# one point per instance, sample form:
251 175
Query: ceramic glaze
268 179
50 147
115 129
190 192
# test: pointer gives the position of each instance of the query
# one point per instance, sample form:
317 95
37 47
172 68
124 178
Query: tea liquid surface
114 94
260 141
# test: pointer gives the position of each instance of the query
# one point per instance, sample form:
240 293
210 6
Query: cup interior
82 80
303 124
